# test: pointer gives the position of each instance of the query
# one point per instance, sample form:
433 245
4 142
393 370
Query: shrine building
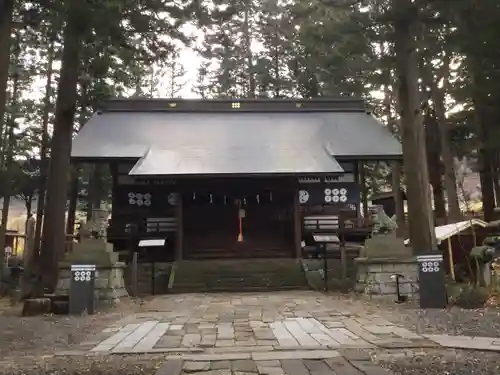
231 178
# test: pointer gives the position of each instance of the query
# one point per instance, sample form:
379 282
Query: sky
191 61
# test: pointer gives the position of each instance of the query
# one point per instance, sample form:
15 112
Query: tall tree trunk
435 174
483 134
53 236
398 197
9 158
471 22
435 167
485 172
73 200
6 11
44 145
414 150
450 180
276 59
248 44
76 170
393 125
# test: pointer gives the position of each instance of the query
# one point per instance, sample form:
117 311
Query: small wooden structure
14 244
232 178
456 241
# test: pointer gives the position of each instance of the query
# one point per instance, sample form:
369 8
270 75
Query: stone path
286 333
333 366
466 342
273 326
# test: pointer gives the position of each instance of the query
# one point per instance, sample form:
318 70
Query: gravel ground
94 365
453 321
446 363
39 335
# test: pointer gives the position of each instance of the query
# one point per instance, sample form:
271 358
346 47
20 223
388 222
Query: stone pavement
466 342
332 366
277 333
259 327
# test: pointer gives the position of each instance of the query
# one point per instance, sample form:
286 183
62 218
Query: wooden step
237 253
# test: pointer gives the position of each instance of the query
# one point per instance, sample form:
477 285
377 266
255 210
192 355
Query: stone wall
109 283
374 277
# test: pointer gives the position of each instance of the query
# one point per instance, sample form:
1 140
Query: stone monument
385 258
93 248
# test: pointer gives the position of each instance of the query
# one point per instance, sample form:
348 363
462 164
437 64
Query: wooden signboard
329 194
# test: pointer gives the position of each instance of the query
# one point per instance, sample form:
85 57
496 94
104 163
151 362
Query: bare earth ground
33 336
453 321
440 362
27 345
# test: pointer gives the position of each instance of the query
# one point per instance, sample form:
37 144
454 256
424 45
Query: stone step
196 288
235 255
239 275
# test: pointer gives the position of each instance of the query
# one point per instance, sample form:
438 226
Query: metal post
343 257
152 277
134 274
399 297
325 266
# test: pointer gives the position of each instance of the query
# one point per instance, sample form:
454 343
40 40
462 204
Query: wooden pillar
297 222
179 244
398 197
451 260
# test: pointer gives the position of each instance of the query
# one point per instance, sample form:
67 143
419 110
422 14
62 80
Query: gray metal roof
250 160
274 141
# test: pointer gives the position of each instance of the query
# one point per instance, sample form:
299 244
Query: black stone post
81 290
431 280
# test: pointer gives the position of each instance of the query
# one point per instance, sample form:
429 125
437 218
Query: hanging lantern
211 199
258 199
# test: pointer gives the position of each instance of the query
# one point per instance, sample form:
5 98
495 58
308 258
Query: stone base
374 277
109 283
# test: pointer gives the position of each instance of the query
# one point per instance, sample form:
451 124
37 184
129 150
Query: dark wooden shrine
222 179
